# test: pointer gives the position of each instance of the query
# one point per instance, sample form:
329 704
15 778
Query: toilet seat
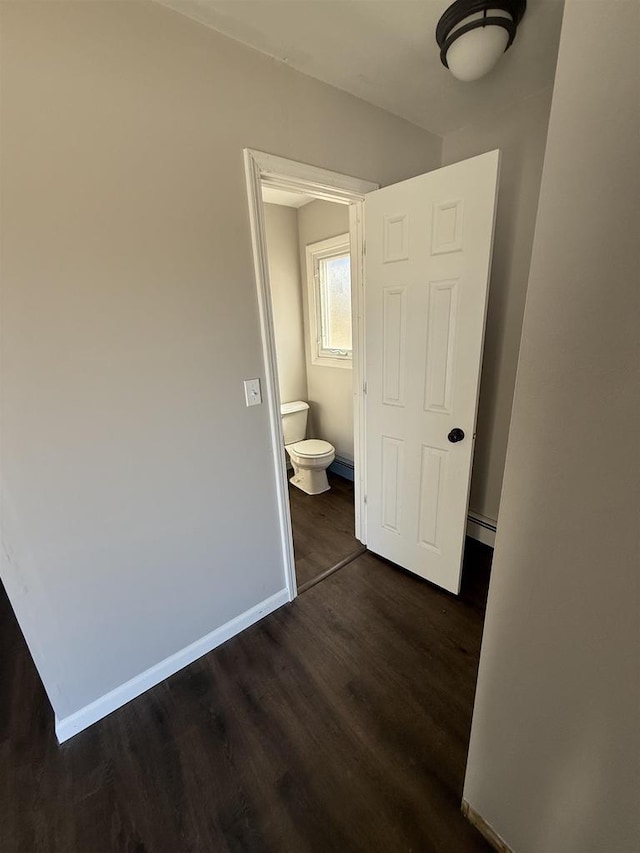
311 448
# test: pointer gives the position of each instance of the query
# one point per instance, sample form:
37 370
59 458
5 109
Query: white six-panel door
428 256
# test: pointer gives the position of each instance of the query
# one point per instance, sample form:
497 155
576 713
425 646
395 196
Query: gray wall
281 226
330 388
520 133
138 491
554 763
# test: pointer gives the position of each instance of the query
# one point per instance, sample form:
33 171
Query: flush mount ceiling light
473 34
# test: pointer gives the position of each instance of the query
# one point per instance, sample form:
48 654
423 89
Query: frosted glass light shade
474 54
473 34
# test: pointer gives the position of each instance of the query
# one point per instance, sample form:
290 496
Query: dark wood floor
339 723
323 528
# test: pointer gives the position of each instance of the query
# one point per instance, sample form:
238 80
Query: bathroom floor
323 528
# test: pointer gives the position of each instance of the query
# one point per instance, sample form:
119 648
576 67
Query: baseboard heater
481 528
342 467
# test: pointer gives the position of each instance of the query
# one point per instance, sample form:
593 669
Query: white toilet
310 457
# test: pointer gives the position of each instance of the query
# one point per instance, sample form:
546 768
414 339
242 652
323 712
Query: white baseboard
485 829
69 726
481 528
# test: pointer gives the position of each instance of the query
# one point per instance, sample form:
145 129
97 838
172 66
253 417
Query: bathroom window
329 282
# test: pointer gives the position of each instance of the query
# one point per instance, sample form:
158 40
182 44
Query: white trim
300 177
482 528
69 726
261 267
267 169
485 829
358 365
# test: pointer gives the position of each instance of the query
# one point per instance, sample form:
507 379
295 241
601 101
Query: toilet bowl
309 457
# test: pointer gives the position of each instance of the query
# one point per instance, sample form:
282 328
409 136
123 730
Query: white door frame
268 170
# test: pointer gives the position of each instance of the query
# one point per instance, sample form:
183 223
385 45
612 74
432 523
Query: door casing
268 170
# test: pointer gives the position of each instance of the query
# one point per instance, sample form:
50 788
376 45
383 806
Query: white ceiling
271 195
384 51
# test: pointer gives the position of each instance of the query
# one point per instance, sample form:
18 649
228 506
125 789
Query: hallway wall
554 760
520 133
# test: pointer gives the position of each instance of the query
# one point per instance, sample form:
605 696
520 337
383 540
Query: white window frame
316 252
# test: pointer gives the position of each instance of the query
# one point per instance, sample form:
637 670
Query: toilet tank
294 421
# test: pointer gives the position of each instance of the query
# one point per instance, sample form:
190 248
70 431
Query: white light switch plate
252 392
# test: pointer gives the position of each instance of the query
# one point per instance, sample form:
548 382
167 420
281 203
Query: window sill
340 363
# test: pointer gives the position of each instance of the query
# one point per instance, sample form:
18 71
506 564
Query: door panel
429 243
394 335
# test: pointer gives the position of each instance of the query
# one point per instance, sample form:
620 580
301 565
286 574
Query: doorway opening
309 254
306 226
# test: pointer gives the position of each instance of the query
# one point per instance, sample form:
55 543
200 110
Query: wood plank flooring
338 723
323 528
